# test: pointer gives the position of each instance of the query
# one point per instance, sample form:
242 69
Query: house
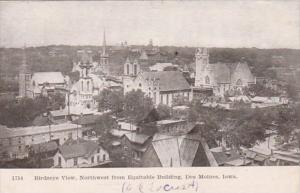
43 153
221 77
135 145
81 154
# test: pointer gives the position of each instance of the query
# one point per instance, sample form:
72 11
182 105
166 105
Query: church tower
24 77
202 65
104 56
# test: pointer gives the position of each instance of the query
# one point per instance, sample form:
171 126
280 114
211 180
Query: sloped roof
83 149
175 151
224 72
44 147
137 137
168 80
48 77
221 72
118 132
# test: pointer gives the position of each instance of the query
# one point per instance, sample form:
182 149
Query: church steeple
104 44
104 56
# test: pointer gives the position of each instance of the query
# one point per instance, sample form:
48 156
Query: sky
261 24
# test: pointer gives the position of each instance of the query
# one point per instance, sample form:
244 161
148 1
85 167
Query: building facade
221 77
164 87
15 142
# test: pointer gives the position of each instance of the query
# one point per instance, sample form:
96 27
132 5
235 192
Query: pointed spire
104 44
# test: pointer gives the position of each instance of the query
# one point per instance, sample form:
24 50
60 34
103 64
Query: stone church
221 77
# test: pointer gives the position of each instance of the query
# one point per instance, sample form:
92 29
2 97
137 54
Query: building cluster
68 139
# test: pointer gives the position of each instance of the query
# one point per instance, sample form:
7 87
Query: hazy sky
261 24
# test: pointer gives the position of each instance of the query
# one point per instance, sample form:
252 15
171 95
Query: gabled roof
224 72
176 151
221 72
137 138
48 77
81 149
168 80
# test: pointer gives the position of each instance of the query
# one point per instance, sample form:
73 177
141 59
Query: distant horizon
87 45
232 24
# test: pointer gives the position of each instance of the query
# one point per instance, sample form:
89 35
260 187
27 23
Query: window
140 85
98 159
167 99
207 80
239 82
88 85
82 85
59 161
75 161
20 148
135 69
127 69
104 157
98 150
154 96
161 99
92 159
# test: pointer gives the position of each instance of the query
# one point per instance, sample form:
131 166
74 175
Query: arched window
88 85
127 69
82 85
207 80
135 69
239 82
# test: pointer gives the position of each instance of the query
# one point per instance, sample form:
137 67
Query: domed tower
202 65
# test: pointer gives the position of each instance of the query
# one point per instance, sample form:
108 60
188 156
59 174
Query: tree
21 113
110 100
137 105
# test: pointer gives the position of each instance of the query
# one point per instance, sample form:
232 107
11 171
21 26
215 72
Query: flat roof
36 130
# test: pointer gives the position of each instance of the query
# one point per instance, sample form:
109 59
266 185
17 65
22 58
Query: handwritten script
148 187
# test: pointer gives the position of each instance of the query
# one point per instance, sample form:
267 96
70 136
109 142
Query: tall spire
104 44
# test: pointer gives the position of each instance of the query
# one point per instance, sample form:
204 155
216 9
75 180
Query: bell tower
202 62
